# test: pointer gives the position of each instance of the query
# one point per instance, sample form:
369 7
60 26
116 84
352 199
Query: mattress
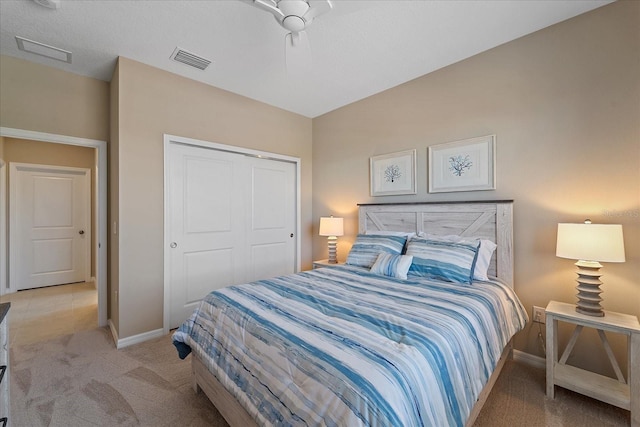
341 346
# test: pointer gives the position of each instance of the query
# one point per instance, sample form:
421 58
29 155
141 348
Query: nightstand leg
552 353
634 378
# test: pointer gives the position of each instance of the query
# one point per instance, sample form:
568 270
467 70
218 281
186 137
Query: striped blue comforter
344 347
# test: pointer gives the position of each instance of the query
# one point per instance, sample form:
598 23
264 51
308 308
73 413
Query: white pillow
392 265
487 247
485 252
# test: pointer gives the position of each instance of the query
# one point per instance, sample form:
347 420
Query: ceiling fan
295 16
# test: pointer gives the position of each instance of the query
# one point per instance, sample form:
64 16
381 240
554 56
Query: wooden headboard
491 220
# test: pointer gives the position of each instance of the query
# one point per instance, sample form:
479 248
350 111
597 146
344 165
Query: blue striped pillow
445 260
367 247
392 265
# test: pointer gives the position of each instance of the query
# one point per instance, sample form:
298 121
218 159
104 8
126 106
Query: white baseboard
529 359
135 339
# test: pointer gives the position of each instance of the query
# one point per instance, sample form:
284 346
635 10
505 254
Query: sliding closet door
271 221
231 220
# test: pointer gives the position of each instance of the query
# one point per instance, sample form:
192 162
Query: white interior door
231 219
50 229
271 218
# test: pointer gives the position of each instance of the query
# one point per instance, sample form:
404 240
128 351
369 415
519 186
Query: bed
348 346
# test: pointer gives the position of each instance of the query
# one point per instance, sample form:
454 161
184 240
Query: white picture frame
466 165
393 174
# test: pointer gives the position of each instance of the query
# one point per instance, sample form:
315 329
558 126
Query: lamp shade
330 226
590 242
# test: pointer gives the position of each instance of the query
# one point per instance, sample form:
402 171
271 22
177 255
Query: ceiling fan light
293 23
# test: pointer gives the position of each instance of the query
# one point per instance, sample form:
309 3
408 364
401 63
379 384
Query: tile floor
45 313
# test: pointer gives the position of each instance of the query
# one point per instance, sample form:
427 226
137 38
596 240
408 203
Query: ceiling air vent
190 59
42 49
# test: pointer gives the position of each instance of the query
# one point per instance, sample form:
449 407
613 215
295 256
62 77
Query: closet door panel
271 221
206 218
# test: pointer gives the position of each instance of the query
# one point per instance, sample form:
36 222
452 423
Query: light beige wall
4 175
44 99
27 151
154 102
38 98
565 105
43 153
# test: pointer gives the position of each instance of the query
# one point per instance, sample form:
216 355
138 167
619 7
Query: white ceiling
358 49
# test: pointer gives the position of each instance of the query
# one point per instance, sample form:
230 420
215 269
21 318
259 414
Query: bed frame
487 219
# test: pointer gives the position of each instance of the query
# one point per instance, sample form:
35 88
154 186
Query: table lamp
331 227
590 244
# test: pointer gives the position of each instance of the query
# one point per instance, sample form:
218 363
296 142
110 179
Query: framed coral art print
393 174
466 165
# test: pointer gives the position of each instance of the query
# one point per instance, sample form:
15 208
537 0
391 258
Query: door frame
100 206
196 143
14 221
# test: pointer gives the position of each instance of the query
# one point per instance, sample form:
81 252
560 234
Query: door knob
81 232
173 245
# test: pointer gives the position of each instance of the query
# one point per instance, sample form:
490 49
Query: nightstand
325 263
617 392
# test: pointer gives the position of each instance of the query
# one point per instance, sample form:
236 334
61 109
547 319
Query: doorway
100 205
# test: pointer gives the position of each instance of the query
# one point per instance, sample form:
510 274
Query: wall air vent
190 59
42 49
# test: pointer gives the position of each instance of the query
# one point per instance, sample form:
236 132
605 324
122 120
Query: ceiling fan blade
297 53
268 6
317 8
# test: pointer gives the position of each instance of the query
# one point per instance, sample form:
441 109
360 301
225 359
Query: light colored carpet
519 399
82 380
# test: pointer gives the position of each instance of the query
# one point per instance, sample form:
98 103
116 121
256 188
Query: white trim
298 215
168 139
529 359
14 217
135 339
100 203
229 148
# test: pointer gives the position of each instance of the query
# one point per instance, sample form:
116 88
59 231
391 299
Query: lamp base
589 288
333 259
